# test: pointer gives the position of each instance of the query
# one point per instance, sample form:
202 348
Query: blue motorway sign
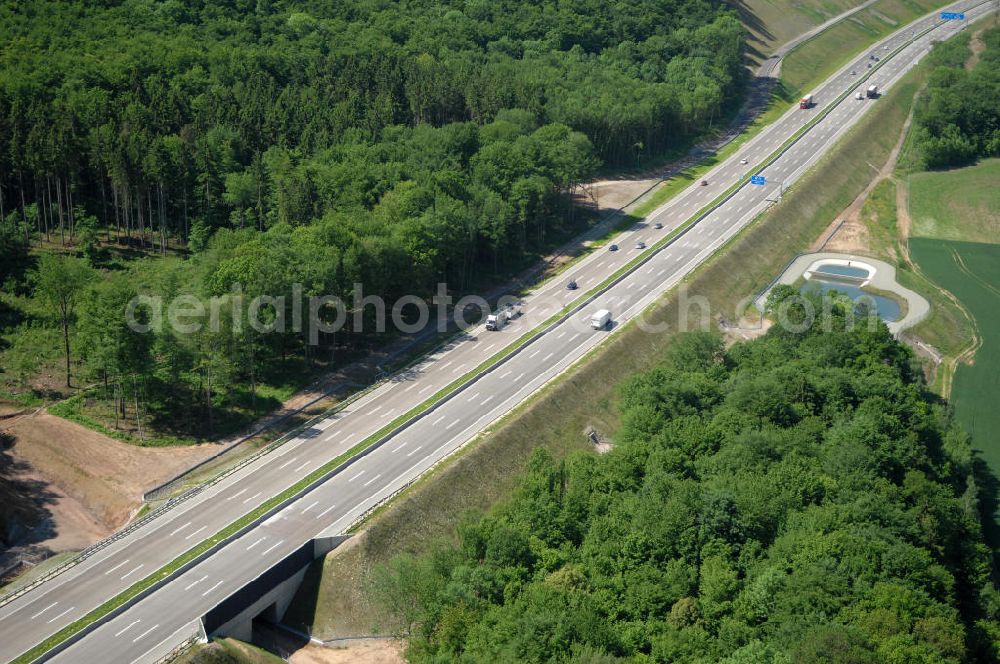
757 179
952 16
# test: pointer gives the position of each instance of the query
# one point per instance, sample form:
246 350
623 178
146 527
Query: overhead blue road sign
952 16
758 179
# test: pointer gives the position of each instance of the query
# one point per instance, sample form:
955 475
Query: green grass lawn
818 58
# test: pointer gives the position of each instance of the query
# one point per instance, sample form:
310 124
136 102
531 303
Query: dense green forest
958 119
169 117
796 499
393 144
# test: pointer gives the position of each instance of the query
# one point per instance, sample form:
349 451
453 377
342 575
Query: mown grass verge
771 24
335 601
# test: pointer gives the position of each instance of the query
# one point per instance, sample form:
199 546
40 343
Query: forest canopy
958 119
794 499
396 144
261 112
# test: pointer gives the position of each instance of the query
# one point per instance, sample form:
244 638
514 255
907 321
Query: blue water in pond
887 310
843 271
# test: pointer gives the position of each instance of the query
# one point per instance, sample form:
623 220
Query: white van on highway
600 319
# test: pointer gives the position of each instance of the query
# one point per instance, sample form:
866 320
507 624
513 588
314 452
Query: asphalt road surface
156 624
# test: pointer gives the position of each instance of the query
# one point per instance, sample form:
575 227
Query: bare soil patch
94 483
851 237
614 194
374 651
903 220
849 233
977 46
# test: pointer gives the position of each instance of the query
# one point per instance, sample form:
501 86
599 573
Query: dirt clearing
850 233
380 651
609 195
94 484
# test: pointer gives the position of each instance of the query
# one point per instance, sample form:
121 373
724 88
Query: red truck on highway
806 102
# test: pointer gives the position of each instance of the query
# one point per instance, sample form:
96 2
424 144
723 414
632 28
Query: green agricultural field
971 271
961 204
955 239
816 59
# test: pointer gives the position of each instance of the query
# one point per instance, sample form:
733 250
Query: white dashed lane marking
116 567
195 532
128 574
219 583
147 631
194 583
127 628
46 609
55 618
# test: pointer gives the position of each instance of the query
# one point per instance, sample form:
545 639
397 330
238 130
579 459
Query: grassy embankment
228 651
818 58
815 60
334 602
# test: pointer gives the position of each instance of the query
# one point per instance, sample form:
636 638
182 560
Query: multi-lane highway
152 626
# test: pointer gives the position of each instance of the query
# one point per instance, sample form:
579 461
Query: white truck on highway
496 322
600 319
872 92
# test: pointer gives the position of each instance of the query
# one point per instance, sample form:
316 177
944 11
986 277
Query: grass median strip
321 473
